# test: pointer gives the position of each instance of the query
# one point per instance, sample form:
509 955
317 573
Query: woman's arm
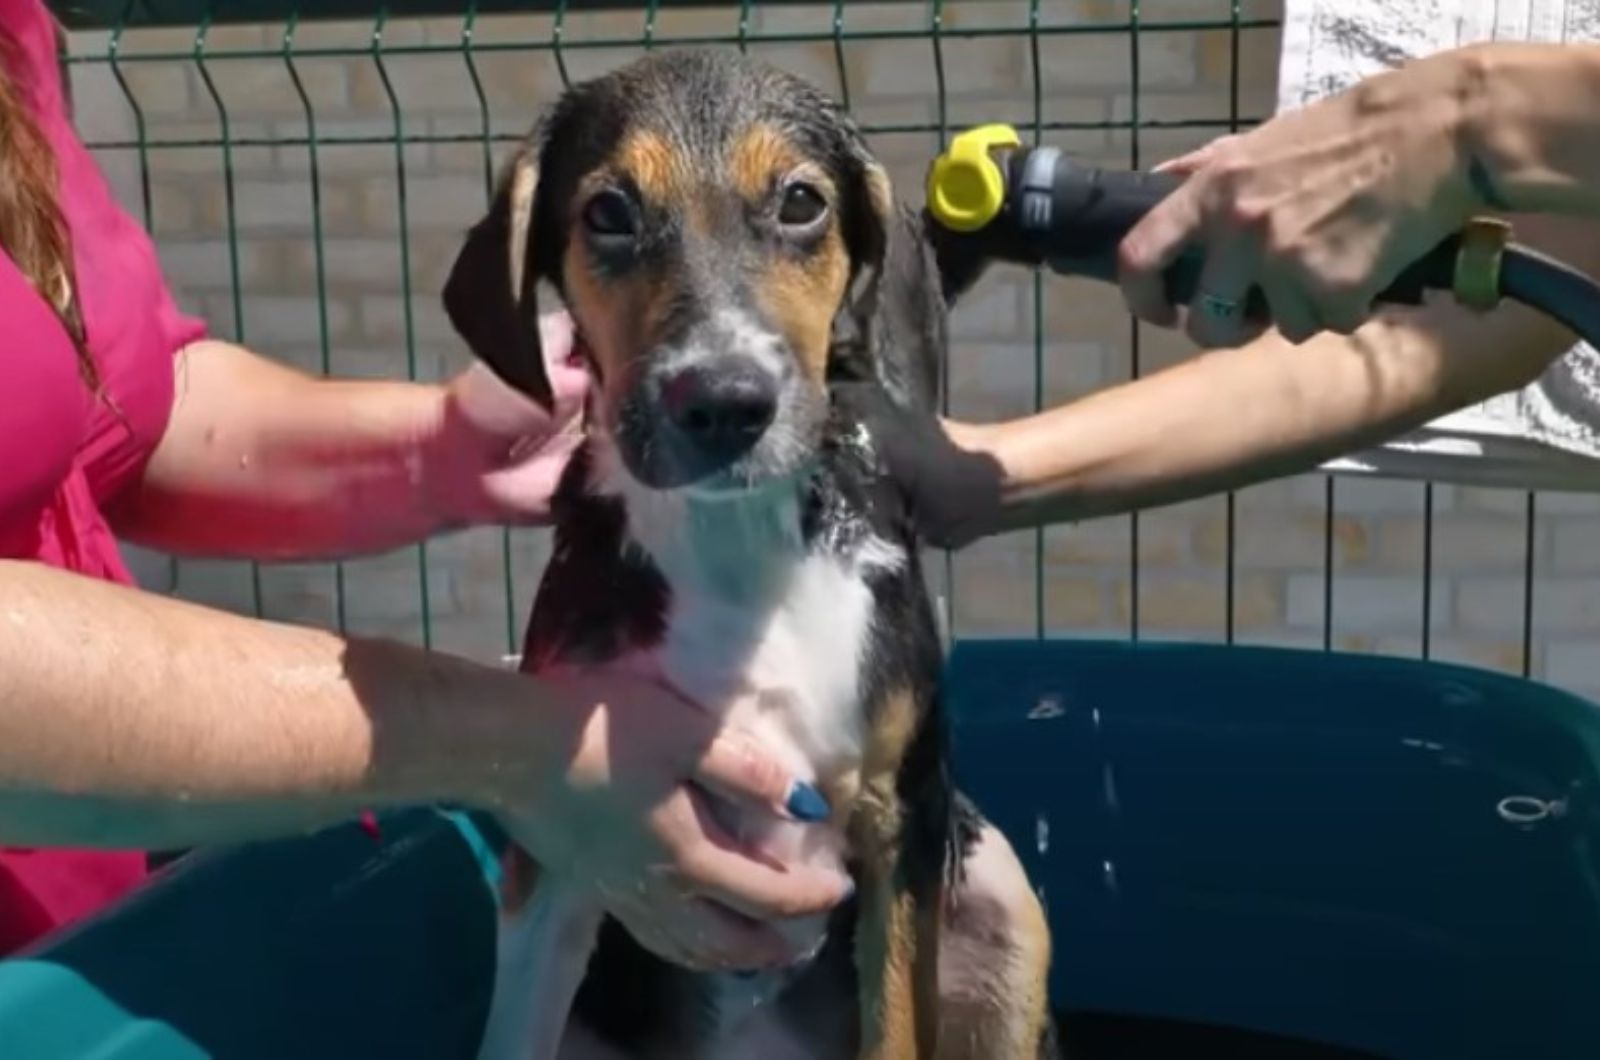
1531 120
262 461
1233 417
132 720
129 719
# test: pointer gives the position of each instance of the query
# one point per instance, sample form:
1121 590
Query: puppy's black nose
722 408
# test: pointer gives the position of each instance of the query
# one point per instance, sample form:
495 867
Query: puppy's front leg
897 928
896 954
543 951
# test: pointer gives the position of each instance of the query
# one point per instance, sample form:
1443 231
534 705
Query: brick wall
1089 584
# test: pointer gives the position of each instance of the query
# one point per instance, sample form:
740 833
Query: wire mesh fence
307 180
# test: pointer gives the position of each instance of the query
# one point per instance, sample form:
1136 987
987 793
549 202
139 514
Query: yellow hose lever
966 186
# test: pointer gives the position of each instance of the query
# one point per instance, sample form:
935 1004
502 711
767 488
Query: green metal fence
1092 75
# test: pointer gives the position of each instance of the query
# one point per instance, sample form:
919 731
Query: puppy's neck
738 546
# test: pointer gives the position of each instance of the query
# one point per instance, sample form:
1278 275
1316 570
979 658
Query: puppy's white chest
787 667
762 624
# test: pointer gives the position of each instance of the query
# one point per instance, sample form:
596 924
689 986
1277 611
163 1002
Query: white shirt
1523 439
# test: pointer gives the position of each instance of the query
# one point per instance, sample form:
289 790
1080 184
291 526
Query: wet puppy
733 259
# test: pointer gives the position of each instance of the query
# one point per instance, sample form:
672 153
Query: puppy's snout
722 408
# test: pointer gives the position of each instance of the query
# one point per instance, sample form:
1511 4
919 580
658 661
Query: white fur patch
878 554
770 630
799 654
728 329
748 336
759 618
783 654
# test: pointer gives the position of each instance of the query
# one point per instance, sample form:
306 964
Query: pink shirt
67 456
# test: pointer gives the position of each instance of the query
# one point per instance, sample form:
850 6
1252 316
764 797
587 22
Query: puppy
733 259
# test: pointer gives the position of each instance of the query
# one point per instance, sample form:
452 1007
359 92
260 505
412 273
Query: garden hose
991 198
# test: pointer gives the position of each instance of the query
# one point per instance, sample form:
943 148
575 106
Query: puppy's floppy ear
871 212
868 214
489 295
890 329
868 211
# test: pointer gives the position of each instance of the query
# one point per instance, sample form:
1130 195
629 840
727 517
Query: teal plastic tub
1245 853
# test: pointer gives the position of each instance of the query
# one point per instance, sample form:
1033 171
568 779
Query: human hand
1322 208
625 805
506 454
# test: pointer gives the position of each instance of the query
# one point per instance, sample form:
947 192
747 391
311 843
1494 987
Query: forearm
1235 417
1219 422
1531 120
262 461
134 720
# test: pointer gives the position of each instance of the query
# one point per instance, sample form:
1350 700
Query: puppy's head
706 219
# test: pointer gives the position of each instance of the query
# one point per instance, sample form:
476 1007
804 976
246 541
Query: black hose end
962 257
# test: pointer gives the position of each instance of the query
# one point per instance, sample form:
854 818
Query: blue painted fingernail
806 803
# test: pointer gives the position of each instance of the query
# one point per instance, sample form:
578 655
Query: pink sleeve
134 324
44 428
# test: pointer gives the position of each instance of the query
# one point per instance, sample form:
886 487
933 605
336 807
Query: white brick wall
1088 587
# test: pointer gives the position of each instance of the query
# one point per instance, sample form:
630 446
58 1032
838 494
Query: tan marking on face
841 790
758 158
659 169
802 296
799 295
620 318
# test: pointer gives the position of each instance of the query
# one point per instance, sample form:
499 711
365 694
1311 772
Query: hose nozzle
997 200
990 198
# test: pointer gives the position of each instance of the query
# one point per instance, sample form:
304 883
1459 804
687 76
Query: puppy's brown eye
609 213
802 206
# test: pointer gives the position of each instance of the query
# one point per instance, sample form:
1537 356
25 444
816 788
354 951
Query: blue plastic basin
1362 855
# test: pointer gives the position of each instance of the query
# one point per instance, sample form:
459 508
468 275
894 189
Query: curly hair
33 230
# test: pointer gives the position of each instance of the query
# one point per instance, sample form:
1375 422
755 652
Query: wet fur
627 582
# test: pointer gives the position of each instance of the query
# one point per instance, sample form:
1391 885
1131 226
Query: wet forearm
1235 417
134 720
1219 422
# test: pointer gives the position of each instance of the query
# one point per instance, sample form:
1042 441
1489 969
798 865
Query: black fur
598 597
